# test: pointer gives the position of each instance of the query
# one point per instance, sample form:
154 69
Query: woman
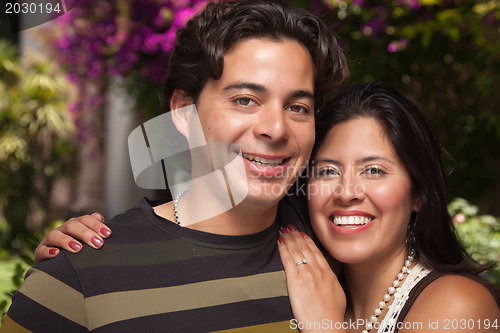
377 204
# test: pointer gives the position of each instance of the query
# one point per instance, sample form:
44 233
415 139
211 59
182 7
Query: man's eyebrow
262 89
246 85
301 94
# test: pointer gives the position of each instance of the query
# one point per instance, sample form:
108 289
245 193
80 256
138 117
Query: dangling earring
410 235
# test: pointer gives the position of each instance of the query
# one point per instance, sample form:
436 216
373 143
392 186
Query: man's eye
297 109
245 101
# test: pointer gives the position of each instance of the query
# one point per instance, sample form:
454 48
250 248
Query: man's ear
180 115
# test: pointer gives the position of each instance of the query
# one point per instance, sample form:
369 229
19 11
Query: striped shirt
155 276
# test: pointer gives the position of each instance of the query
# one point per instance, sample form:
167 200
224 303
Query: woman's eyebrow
326 160
374 158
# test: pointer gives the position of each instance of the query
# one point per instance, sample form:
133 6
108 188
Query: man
256 71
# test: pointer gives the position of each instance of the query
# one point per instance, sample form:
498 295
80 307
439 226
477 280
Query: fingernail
99 217
304 235
280 240
283 230
96 241
74 245
105 232
291 228
53 252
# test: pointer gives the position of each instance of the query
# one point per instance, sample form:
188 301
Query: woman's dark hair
201 45
431 230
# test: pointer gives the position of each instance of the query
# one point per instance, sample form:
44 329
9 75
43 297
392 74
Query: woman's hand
88 228
315 293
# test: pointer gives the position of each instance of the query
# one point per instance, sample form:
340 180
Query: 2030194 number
469 324
31 8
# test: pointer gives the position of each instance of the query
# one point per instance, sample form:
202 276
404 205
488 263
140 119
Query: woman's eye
297 109
245 101
373 171
327 172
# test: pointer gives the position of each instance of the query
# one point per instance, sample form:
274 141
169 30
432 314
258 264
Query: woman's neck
368 283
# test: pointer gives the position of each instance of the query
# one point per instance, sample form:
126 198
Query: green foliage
480 234
35 138
443 54
26 261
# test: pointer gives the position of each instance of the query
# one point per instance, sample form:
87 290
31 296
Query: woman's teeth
263 161
351 220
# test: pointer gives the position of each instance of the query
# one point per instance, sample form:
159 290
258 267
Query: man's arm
50 300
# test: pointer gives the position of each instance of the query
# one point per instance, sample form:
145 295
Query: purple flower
392 47
97 40
412 4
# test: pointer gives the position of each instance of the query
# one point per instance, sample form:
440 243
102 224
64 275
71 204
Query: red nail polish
105 232
96 241
304 235
283 230
291 227
74 245
53 252
280 240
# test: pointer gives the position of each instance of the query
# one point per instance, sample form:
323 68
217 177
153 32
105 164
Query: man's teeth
351 220
263 161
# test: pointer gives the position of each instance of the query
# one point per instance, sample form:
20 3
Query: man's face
263 103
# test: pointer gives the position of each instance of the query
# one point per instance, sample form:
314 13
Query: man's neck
244 219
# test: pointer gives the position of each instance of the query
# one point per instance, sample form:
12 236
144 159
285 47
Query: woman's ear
180 115
416 204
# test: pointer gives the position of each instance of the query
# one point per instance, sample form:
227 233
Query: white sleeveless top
417 273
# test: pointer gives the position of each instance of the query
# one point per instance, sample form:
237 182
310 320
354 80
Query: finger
298 246
83 228
57 238
43 252
285 256
95 223
71 233
318 255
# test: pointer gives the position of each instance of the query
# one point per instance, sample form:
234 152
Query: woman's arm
88 228
318 301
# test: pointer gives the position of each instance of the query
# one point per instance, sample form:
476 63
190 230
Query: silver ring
303 261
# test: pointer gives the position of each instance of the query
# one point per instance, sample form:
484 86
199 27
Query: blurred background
72 89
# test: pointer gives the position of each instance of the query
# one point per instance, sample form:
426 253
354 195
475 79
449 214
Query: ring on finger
303 261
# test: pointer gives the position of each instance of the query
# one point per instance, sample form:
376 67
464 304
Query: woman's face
360 194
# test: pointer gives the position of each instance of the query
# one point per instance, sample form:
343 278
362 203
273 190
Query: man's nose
272 123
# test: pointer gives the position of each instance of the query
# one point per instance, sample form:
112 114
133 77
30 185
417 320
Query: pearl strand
176 207
390 291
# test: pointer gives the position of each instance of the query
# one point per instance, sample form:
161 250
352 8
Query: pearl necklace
390 291
176 206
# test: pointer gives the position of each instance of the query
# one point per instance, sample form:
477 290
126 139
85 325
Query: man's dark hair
201 45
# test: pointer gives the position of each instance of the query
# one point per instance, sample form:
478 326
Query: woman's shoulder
453 297
458 288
